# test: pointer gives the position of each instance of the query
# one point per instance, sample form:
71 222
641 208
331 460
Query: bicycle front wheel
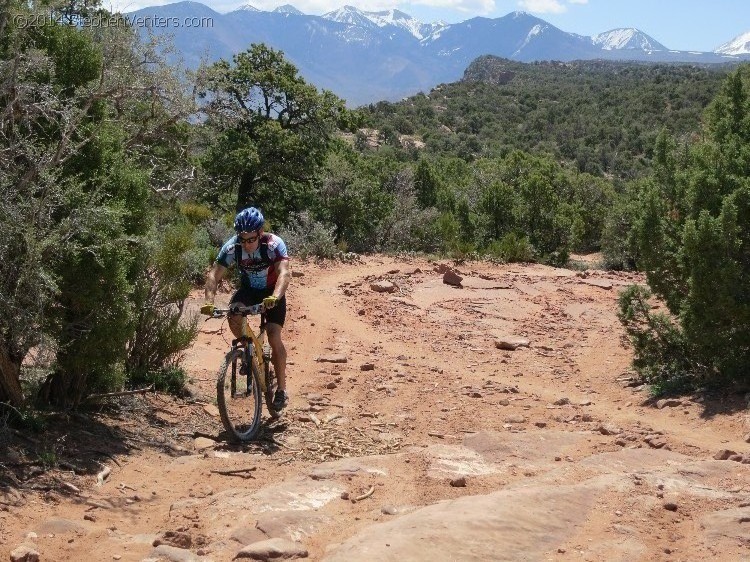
270 381
239 397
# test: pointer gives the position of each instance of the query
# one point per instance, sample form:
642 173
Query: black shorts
248 297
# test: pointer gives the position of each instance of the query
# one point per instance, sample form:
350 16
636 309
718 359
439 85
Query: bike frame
248 335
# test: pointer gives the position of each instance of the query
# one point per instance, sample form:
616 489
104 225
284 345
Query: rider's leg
235 322
273 332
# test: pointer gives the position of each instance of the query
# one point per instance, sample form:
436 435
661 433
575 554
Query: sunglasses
248 240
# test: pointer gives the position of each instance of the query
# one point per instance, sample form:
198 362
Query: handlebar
251 310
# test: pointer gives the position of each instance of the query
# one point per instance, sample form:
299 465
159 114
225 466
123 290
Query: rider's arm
282 281
215 275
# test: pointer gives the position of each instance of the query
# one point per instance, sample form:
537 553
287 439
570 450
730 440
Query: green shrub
661 350
25 417
619 250
692 232
169 379
162 331
512 248
195 213
200 257
306 237
461 250
219 232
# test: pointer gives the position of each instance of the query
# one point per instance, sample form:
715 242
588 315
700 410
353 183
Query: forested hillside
603 116
120 177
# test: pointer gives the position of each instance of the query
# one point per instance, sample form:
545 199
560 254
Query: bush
413 229
618 248
195 213
512 248
162 332
692 233
661 351
219 232
200 257
169 379
306 237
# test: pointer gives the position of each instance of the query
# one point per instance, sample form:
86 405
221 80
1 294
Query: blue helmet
248 220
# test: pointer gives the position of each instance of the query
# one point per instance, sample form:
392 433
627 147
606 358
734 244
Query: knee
235 324
274 338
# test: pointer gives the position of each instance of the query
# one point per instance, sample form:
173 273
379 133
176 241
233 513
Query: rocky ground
415 432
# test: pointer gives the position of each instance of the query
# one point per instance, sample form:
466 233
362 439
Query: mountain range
366 57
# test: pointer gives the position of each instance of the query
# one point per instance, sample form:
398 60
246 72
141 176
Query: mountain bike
245 378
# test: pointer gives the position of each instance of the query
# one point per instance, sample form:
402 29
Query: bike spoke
239 399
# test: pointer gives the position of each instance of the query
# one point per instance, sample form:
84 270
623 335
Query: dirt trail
464 451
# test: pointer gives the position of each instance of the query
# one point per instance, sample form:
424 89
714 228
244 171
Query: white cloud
542 6
578 1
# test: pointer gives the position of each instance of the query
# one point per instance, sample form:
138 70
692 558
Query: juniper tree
692 232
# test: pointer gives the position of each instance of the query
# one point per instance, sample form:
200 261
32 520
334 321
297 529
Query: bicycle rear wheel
239 397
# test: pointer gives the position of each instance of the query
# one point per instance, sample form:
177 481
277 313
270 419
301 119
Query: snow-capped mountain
626 38
396 18
366 57
740 45
350 16
288 9
404 21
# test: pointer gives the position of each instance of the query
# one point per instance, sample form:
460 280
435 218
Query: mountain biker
263 266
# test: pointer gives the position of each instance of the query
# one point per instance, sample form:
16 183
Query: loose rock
201 443
724 454
24 553
174 538
452 278
511 343
272 549
609 429
668 403
383 287
332 359
601 283
174 554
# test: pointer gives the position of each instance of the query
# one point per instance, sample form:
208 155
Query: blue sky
700 25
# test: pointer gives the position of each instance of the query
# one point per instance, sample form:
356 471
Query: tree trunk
245 196
10 383
63 390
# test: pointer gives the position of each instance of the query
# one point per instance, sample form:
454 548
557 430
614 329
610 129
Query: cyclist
263 266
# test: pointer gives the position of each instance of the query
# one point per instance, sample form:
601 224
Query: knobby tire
240 412
270 381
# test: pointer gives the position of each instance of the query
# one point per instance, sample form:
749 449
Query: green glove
270 302
208 309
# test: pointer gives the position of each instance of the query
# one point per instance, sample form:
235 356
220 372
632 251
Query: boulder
383 287
452 278
273 549
511 343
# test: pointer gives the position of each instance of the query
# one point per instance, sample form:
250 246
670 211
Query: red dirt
438 400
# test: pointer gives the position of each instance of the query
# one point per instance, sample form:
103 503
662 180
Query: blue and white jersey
258 270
